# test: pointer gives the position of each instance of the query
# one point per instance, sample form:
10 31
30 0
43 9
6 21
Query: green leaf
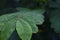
6 29
8 17
20 21
35 17
24 29
32 24
55 20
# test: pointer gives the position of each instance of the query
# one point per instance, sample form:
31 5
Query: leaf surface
24 30
6 29
24 22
